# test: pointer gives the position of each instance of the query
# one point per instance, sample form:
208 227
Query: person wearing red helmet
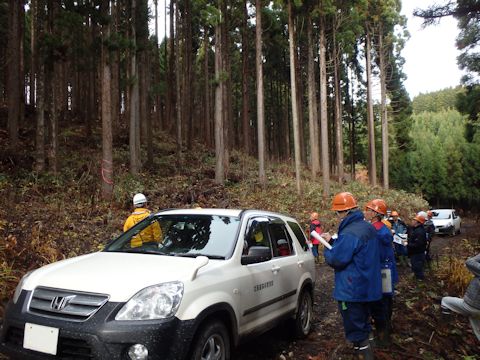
355 257
375 211
417 245
315 226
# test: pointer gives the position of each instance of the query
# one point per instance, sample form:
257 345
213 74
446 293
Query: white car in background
446 221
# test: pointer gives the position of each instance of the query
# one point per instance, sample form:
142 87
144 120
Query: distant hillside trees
442 163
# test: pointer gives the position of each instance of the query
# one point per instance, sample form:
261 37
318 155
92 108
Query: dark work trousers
356 322
418 263
378 313
387 301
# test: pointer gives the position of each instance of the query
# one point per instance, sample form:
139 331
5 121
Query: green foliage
436 162
437 100
468 102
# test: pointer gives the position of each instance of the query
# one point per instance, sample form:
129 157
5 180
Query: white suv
181 284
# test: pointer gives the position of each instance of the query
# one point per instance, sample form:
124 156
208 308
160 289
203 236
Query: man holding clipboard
355 257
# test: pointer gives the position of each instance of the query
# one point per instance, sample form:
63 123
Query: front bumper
444 229
99 337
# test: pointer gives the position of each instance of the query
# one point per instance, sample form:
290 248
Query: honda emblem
60 302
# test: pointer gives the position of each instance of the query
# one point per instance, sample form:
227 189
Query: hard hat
420 218
139 199
343 201
314 216
423 214
377 205
394 213
282 242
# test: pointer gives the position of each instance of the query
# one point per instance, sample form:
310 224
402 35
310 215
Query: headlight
18 289
155 302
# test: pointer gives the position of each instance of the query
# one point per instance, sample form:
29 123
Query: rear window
299 234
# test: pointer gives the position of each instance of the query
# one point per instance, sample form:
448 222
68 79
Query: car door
287 273
258 286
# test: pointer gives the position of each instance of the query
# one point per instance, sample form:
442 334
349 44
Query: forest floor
420 331
46 218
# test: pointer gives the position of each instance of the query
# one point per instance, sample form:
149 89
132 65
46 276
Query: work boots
382 339
363 350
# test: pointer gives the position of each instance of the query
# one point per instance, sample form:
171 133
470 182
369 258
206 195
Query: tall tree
383 104
219 118
245 78
107 146
338 99
14 71
312 102
134 134
372 164
260 95
293 82
40 100
323 108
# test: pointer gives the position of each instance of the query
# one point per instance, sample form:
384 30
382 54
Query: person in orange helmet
375 210
315 226
417 245
355 257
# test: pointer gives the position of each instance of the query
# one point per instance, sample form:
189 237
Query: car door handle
275 268
300 263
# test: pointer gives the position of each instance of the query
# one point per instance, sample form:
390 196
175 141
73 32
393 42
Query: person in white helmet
151 234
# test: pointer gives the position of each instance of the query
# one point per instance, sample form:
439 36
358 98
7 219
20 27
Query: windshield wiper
142 251
194 255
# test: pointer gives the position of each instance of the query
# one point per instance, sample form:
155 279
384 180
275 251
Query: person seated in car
282 247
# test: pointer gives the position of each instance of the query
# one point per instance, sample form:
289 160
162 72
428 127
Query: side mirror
256 254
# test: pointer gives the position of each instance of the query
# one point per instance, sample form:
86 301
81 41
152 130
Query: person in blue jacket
355 257
382 310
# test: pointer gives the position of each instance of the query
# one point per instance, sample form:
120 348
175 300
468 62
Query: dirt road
326 340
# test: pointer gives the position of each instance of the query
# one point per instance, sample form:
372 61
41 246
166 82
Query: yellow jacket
153 233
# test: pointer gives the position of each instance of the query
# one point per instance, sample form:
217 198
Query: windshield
442 214
180 235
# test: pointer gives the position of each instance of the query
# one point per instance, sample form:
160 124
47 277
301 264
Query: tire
304 315
212 342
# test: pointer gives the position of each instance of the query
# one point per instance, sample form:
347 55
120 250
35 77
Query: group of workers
363 254
363 257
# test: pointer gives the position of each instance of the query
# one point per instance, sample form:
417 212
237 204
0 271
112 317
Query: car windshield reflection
180 235
442 215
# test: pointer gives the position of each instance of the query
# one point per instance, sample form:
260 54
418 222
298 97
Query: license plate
40 338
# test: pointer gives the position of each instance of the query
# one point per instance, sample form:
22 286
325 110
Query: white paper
321 239
40 338
400 239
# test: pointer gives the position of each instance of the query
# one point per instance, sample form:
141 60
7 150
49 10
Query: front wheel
212 343
303 320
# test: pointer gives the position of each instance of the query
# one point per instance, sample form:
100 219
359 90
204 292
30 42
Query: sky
430 54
